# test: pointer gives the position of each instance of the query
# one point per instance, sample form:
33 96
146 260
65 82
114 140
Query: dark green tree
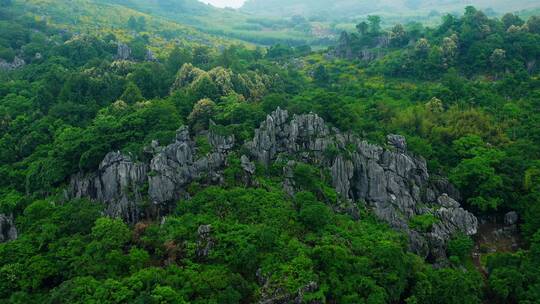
362 27
132 94
320 75
374 24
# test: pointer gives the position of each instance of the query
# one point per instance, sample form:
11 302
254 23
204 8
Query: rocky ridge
132 190
392 182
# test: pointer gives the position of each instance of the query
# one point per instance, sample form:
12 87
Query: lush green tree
398 36
202 112
313 214
374 24
132 23
440 285
177 58
201 56
510 19
533 24
320 75
136 23
461 247
476 175
362 27
132 94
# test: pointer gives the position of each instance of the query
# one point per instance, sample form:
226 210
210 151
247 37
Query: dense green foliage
466 95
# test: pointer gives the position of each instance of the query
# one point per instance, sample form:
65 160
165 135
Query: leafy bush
423 222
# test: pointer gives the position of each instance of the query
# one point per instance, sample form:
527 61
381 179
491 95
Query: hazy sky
223 3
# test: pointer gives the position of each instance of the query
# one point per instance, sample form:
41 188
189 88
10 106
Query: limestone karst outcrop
8 231
390 181
348 48
16 63
123 51
118 183
393 183
132 190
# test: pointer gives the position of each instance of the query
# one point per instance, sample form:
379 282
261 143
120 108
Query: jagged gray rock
346 48
123 52
125 186
398 142
149 56
8 231
452 220
342 171
205 242
175 167
247 165
220 143
15 64
117 183
395 184
511 218
289 186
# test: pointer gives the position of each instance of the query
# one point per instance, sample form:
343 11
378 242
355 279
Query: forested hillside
349 8
145 161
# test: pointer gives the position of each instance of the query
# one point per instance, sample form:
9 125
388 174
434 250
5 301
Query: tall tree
374 24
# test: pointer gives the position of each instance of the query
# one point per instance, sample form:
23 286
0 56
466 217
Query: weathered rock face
8 231
511 218
175 167
132 190
398 142
15 64
149 56
248 168
123 52
117 183
394 183
205 242
346 48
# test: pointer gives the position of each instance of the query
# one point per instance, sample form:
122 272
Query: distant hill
350 8
112 16
167 8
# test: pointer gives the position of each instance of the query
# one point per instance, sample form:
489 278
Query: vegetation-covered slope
464 94
348 8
